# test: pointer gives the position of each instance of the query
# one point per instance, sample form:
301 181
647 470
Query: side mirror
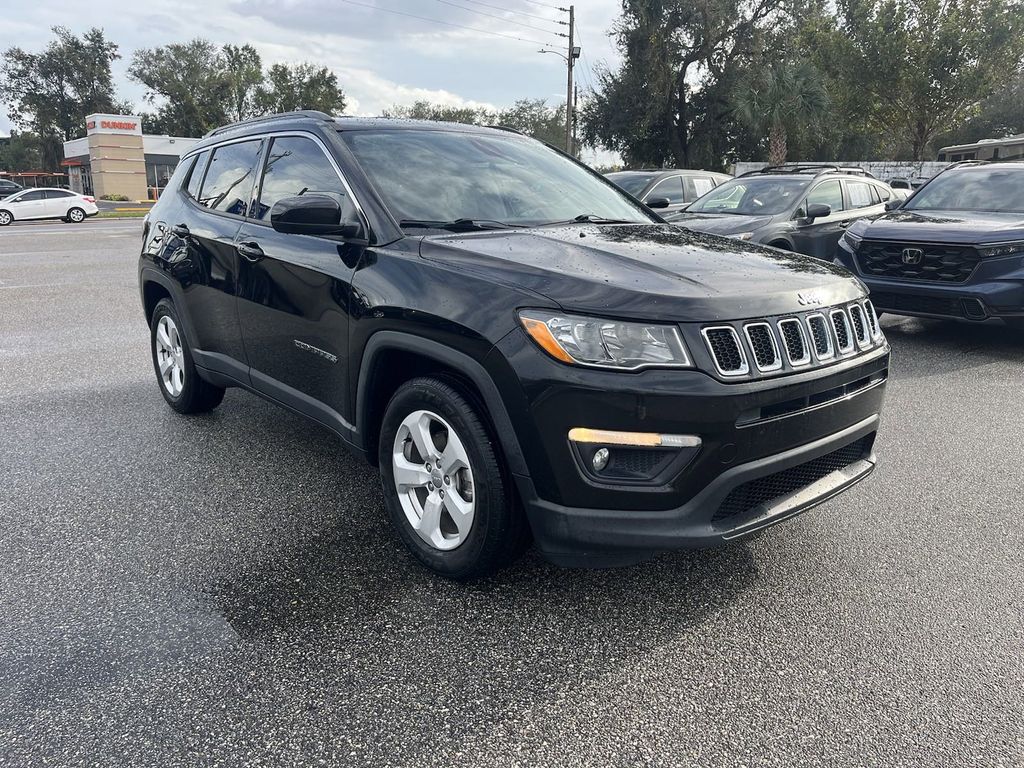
312 215
893 204
818 211
658 202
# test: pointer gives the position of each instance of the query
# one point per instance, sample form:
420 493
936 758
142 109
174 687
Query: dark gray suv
803 208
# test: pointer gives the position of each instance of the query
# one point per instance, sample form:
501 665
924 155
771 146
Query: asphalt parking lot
224 590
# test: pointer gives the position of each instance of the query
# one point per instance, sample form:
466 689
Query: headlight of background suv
741 235
605 343
852 241
1001 249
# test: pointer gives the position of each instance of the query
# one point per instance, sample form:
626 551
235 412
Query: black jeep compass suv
518 345
955 249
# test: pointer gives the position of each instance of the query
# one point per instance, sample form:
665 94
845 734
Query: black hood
649 271
720 223
957 227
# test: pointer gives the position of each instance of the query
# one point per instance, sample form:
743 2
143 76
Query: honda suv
519 346
802 208
955 249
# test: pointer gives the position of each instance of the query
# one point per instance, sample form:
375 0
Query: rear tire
445 485
75 216
180 384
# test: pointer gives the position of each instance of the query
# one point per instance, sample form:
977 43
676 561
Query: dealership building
116 158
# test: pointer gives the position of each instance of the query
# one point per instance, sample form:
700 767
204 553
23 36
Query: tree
300 86
21 152
189 85
51 92
243 69
783 96
530 116
998 116
663 104
925 64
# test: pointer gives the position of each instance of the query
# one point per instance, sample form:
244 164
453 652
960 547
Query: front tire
5 218
176 373
75 216
445 486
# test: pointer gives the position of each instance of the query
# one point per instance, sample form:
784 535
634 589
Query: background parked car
952 250
803 208
8 188
667 191
47 203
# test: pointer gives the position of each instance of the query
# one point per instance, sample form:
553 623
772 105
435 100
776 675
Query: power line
546 5
501 18
520 13
446 23
588 70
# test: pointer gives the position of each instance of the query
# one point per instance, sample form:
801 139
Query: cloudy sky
381 57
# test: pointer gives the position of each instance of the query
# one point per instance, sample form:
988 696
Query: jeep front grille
761 347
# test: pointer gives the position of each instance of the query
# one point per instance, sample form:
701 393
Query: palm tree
784 96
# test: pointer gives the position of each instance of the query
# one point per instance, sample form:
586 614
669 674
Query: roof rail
312 114
815 168
505 128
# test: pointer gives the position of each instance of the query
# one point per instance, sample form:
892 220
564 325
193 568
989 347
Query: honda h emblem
912 256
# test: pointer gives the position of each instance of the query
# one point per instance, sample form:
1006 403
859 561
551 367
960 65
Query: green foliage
998 116
924 64
51 92
530 116
21 152
196 86
115 198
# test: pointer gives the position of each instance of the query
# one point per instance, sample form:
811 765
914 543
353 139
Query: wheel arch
391 358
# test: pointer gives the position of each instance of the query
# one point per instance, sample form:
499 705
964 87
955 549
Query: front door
294 289
28 205
820 238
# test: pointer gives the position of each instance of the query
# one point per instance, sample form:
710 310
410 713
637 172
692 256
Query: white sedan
47 203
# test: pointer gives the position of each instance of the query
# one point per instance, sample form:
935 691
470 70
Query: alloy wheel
77 215
434 480
170 356
5 218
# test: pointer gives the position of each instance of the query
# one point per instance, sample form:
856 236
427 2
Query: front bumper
747 430
994 291
574 537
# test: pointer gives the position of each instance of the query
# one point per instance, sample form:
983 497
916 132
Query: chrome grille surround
725 334
758 335
750 349
794 326
843 331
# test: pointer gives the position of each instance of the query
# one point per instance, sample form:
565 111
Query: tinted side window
35 194
229 181
53 194
195 177
827 193
297 166
672 188
860 194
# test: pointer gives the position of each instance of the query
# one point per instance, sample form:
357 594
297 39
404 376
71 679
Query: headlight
605 343
1001 249
741 235
852 240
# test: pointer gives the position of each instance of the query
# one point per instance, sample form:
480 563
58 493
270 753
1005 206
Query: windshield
983 188
449 176
752 196
633 183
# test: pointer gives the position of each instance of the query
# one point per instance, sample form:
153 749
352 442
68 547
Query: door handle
181 230
250 251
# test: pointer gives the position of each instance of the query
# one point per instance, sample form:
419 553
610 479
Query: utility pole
571 54
570 59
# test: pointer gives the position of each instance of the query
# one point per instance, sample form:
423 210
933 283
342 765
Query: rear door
28 205
294 289
820 238
57 202
201 232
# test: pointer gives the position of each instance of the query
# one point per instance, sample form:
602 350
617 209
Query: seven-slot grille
816 338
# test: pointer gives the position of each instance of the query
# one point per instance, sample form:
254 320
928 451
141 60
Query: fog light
600 460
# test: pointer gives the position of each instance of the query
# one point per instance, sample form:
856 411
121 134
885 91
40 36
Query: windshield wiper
591 218
458 225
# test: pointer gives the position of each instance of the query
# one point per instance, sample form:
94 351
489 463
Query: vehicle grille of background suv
938 263
793 342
